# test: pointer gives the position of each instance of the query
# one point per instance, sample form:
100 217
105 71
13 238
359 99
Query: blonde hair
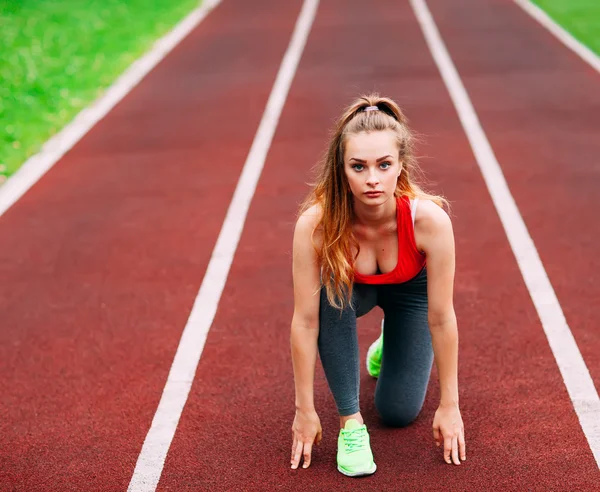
331 190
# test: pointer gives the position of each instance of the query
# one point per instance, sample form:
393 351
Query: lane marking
565 37
158 440
37 165
572 367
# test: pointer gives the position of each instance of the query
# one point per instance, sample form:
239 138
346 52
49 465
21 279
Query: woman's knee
399 414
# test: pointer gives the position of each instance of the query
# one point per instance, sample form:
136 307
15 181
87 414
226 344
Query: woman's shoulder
307 225
430 217
310 218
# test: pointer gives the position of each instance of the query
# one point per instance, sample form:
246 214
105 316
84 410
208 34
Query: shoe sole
358 473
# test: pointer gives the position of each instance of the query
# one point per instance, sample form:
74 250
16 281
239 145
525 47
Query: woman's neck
375 216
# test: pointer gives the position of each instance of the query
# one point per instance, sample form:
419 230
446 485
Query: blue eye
357 166
386 164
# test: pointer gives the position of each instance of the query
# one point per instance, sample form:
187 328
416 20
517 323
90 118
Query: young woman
368 235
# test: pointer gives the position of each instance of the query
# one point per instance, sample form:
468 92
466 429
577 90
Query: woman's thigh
407 351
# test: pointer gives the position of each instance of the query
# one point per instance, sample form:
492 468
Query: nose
372 179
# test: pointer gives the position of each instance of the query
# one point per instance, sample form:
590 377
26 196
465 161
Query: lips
373 193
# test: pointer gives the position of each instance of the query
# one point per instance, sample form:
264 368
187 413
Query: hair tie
371 108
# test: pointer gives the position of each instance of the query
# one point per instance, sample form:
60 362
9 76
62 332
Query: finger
297 454
447 449
307 453
437 436
293 449
462 447
455 459
319 436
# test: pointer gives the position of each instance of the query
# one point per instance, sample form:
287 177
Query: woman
368 235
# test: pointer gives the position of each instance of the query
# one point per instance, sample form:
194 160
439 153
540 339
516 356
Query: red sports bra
410 260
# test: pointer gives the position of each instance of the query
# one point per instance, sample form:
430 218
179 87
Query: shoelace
355 440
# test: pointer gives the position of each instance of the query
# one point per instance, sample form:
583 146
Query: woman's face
371 166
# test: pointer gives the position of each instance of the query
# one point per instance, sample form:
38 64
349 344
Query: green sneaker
354 456
374 355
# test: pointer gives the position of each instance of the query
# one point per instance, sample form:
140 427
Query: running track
102 259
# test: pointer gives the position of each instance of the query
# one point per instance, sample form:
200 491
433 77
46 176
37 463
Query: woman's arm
437 242
306 429
433 230
305 322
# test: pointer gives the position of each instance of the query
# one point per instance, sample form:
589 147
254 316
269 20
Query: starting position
369 236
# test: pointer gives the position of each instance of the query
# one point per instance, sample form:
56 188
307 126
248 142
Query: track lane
103 257
540 111
235 430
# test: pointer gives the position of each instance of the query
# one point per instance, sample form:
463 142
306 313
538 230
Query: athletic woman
367 236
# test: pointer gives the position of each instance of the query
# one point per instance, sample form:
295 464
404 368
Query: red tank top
410 260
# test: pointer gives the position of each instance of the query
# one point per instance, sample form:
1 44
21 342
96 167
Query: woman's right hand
306 431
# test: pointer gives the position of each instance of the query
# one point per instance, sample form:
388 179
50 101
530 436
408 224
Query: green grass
57 56
580 17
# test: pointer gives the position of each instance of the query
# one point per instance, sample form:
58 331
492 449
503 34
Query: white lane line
37 165
572 367
566 38
156 445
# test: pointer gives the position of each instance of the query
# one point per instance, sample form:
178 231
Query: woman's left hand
448 429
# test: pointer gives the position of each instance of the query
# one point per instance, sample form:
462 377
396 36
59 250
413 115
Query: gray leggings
407 351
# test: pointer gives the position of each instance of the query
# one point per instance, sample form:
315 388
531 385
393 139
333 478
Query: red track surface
104 256
539 104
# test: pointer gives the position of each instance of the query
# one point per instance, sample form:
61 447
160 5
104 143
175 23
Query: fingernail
304 466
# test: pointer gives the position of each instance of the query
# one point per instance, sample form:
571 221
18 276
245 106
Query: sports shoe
374 355
354 456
